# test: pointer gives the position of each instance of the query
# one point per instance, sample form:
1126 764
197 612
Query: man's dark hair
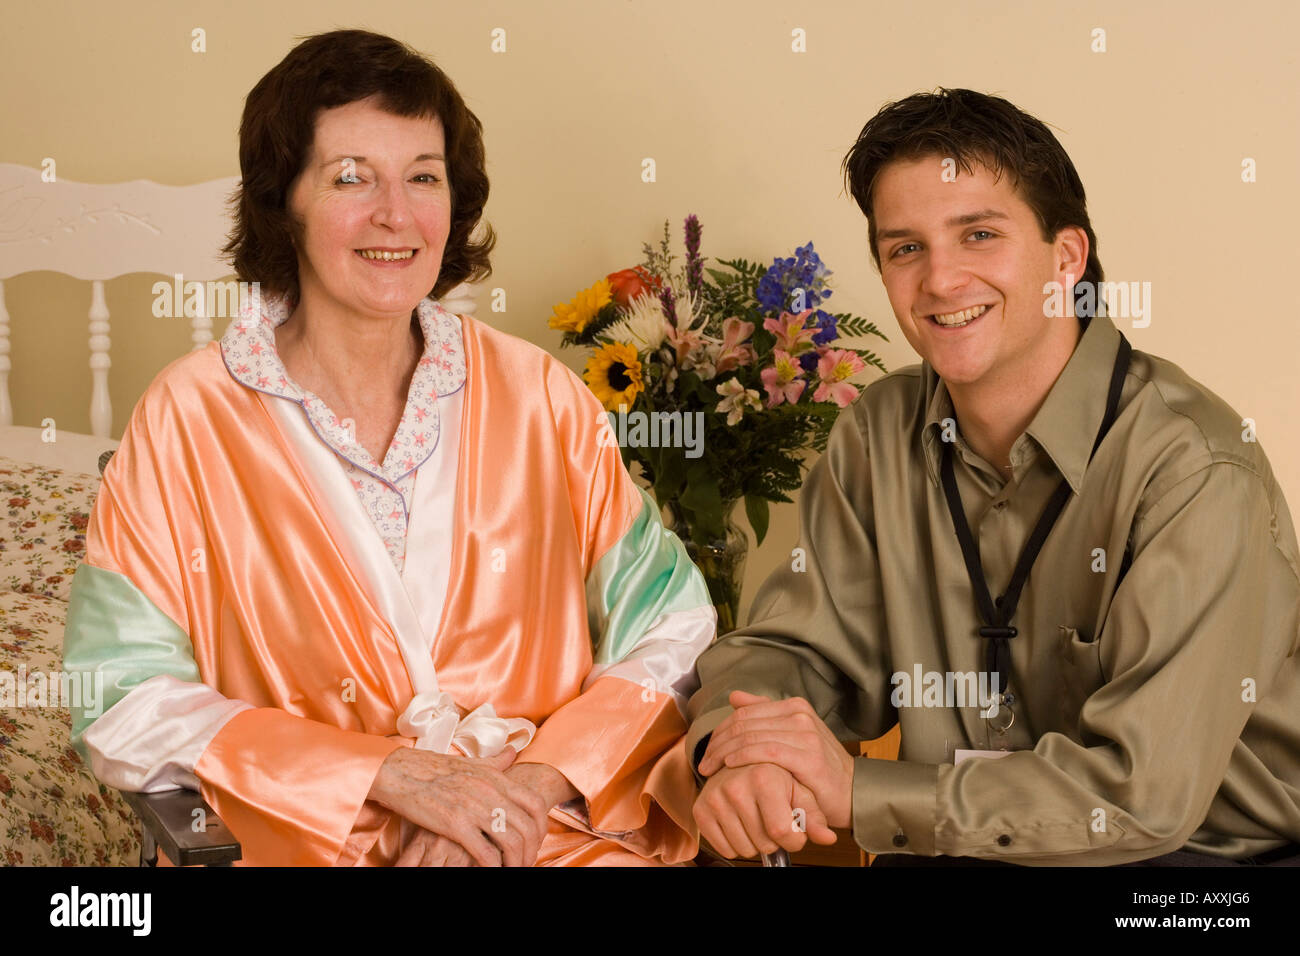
278 126
968 126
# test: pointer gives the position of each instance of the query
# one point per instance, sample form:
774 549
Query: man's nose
945 274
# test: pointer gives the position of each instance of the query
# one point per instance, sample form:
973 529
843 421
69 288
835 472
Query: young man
1138 676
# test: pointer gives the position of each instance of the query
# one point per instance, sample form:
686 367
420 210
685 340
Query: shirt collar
248 349
250 340
1067 422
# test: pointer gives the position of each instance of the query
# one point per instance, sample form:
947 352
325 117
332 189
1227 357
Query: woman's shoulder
518 362
185 386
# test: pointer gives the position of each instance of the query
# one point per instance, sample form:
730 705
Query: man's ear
1071 252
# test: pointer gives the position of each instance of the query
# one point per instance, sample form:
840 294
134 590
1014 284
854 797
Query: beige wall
746 133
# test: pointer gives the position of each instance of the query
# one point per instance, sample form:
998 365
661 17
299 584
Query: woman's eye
345 180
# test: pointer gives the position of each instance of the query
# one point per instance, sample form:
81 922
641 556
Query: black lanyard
997 615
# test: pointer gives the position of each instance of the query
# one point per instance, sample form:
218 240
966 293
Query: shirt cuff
697 738
895 806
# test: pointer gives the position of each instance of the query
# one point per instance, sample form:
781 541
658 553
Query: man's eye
901 250
981 232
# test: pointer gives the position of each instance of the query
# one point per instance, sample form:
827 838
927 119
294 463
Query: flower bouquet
718 381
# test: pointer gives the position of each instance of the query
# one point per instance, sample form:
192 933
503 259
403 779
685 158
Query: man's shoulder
1184 429
1180 414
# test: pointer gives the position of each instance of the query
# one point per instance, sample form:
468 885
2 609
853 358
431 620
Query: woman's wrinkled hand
432 849
471 802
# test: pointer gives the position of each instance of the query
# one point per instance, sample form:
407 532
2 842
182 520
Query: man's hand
789 734
750 810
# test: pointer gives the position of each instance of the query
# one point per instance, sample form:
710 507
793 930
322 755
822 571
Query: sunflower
614 375
577 315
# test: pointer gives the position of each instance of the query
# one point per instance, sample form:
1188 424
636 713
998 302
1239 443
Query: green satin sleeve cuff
645 575
115 630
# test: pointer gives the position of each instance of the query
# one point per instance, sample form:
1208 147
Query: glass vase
721 561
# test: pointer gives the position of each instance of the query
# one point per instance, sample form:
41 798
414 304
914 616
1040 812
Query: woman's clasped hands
469 811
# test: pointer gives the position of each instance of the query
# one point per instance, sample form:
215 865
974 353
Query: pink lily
685 340
733 354
783 380
833 368
791 336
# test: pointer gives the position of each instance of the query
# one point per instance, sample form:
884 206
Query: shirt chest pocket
1081 673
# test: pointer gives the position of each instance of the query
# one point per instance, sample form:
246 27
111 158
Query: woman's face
373 182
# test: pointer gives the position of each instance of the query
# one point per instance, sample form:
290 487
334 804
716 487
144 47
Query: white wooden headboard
97 232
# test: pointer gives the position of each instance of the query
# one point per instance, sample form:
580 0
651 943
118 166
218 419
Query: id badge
961 755
998 721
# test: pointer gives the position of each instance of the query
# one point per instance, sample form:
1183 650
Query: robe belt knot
435 722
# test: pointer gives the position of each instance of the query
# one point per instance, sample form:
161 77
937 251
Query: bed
52 810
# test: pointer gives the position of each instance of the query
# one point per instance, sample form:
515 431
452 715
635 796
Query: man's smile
959 320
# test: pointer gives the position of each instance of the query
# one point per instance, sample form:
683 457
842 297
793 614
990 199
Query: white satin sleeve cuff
665 655
151 739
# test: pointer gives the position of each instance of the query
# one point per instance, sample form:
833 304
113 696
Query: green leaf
852 326
704 501
870 358
757 512
670 474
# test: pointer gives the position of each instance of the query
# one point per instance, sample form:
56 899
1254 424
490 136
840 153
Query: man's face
374 182
968 244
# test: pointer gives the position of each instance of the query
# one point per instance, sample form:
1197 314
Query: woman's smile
387 258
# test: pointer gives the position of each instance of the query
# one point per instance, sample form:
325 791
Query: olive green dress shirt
1155 674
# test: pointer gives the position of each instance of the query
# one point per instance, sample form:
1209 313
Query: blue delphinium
804 270
826 326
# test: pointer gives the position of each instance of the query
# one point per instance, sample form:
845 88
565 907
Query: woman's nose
392 205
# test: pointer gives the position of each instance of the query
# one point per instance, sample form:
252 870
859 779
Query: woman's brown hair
275 138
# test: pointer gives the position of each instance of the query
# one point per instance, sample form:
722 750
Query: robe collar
248 349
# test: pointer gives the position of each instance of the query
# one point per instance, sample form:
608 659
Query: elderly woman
370 575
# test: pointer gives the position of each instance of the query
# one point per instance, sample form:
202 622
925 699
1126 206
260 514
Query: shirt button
900 840
1004 840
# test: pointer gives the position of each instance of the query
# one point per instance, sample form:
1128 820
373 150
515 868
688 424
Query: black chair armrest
187 838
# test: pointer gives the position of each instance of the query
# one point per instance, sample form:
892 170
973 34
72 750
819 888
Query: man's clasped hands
777 776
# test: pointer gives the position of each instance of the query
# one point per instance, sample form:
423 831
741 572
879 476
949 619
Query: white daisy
643 324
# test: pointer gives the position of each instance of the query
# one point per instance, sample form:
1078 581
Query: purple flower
804 272
669 303
826 325
694 262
